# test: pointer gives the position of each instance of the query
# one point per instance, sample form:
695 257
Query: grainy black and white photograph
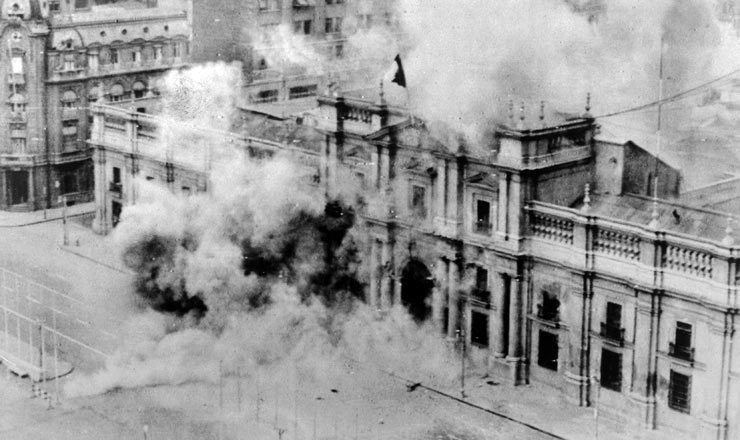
369 219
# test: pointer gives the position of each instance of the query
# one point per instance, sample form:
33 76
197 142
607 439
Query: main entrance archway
416 290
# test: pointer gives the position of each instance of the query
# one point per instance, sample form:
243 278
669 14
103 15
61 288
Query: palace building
56 59
540 249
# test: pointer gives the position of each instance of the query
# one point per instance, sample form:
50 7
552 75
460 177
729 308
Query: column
440 191
452 201
372 296
385 283
439 294
515 319
499 336
503 203
644 374
453 302
375 175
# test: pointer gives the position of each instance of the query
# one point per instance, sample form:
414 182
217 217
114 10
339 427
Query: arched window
69 99
116 93
94 94
17 103
139 89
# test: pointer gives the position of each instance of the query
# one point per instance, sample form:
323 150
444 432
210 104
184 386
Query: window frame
679 403
608 381
549 364
479 329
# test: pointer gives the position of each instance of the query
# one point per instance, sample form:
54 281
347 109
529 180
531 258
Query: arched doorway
416 290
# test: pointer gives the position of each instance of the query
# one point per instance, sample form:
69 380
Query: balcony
543 160
116 187
482 227
548 314
17 79
682 352
480 297
613 333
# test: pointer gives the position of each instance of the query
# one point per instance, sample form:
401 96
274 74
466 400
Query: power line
670 98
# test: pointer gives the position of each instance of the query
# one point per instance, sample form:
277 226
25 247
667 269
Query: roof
673 217
282 109
287 132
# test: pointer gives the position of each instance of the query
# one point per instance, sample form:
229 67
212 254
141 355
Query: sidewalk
17 219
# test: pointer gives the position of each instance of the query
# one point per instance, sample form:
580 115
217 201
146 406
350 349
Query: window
679 392
549 309
136 56
418 202
68 183
157 53
480 292
16 63
139 89
17 103
612 328
333 25
479 329
339 51
54 5
267 96
611 369
116 93
547 351
302 27
80 4
302 91
482 217
114 56
176 50
116 175
18 145
69 99
681 345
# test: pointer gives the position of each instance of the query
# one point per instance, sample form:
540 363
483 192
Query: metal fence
44 333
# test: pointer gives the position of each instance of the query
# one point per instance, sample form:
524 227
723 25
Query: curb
46 220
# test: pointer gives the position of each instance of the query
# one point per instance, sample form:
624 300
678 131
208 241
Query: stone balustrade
652 258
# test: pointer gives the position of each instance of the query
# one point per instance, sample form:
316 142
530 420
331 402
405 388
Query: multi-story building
59 57
540 251
247 31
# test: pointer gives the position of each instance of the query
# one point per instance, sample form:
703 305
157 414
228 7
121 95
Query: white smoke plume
469 59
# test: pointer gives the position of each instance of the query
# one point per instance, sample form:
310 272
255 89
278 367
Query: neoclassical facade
59 57
535 249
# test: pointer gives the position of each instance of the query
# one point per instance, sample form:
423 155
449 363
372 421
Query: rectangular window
480 291
302 27
18 145
482 217
611 370
80 4
547 351
302 91
16 64
612 328
116 175
681 345
339 51
54 5
479 329
114 56
333 25
267 96
135 56
418 202
679 392
176 50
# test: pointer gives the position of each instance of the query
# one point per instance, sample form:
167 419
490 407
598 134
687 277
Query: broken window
611 369
681 345
547 350
479 329
482 217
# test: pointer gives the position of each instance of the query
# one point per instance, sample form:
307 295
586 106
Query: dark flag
399 77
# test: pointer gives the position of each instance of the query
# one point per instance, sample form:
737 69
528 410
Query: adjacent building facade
530 249
59 57
248 31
